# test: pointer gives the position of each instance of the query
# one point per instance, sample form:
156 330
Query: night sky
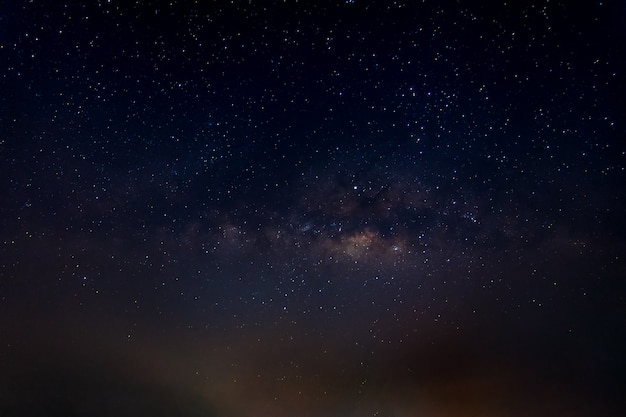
312 208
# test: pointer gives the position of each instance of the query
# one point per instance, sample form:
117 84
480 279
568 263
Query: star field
378 208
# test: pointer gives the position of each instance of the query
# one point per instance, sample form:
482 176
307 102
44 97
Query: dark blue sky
318 209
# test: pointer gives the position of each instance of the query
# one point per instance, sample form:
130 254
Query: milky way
332 209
